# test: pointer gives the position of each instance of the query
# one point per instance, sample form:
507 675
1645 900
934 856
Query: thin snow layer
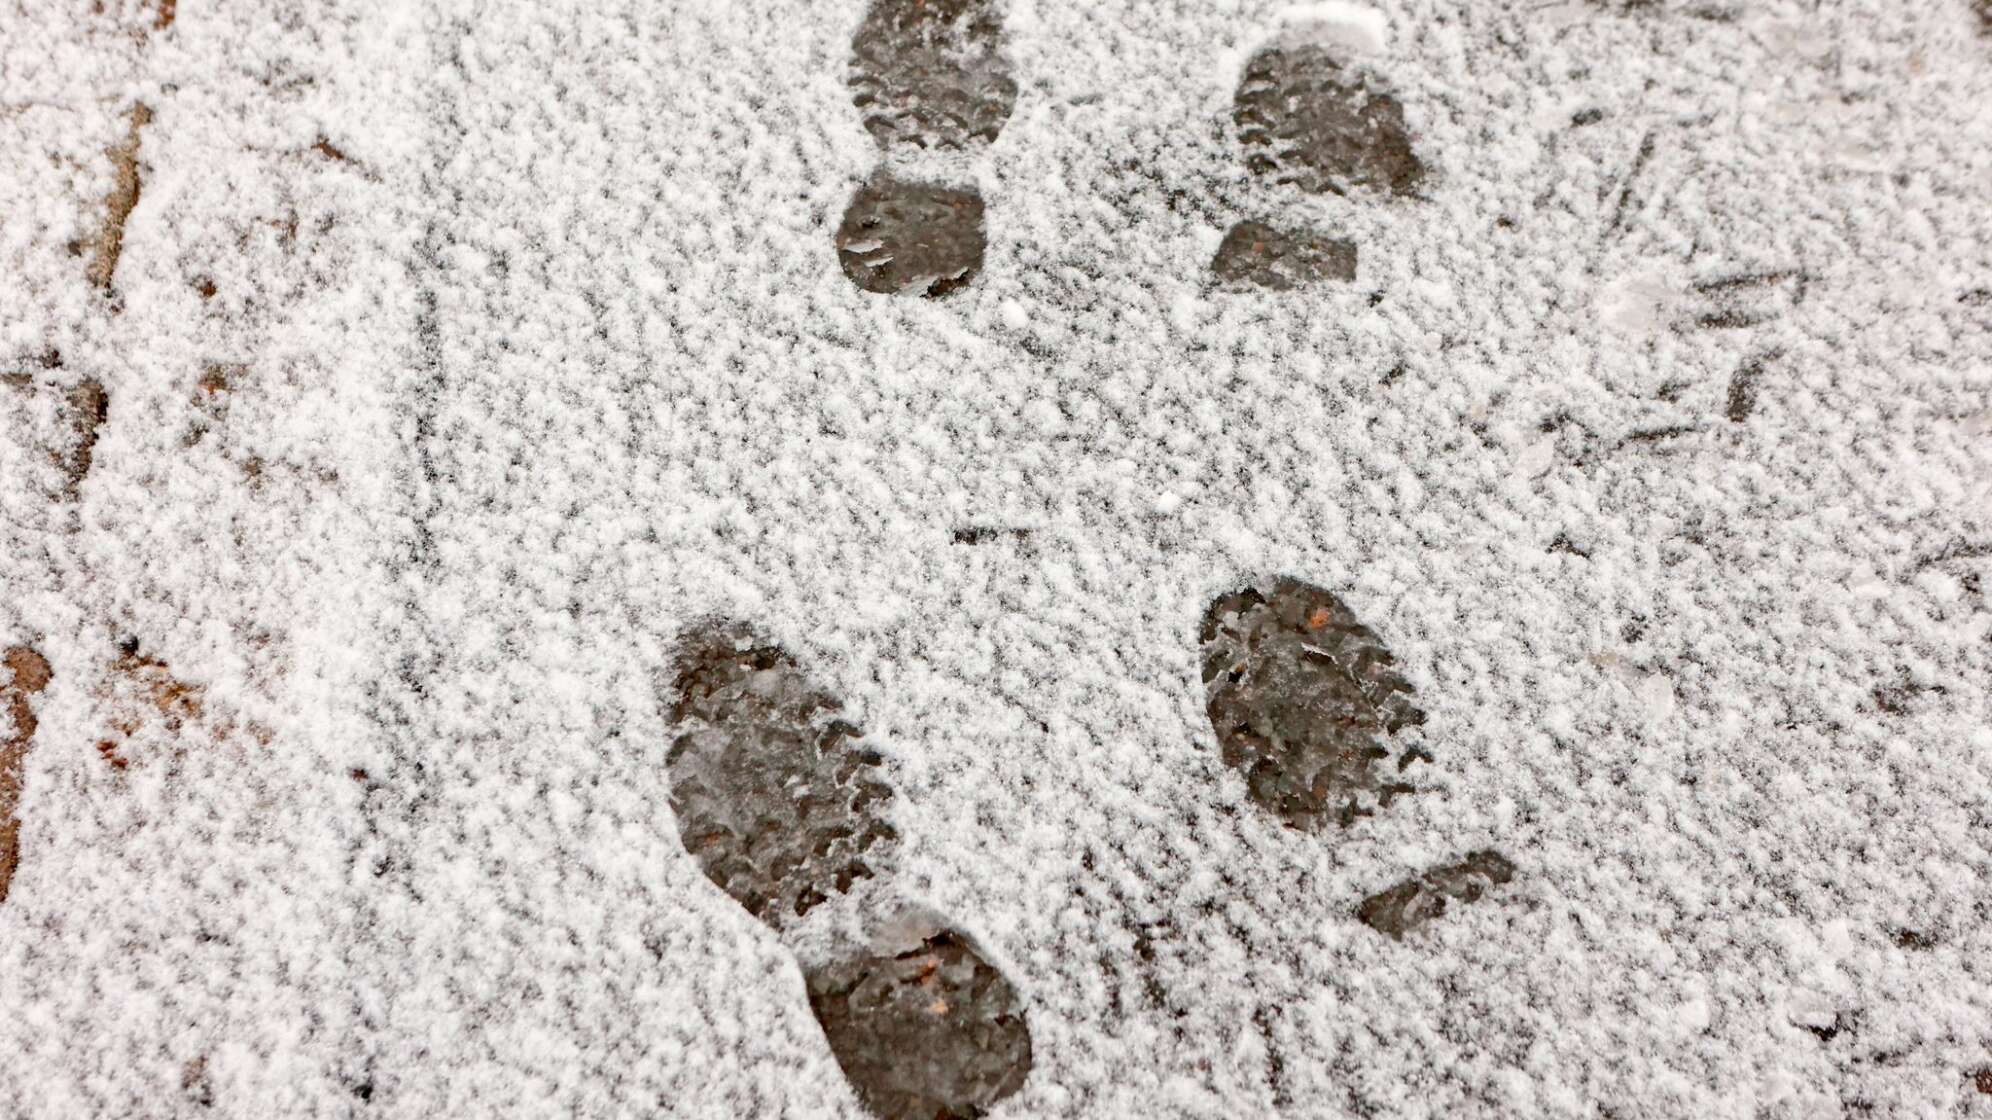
1654 440
1357 26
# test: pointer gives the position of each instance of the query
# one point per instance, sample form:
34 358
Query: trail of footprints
930 75
775 798
783 803
783 806
779 799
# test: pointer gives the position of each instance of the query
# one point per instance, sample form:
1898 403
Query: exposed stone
85 408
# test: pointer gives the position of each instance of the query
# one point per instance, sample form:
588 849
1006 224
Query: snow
1356 26
556 359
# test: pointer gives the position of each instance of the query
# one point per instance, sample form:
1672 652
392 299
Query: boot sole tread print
784 808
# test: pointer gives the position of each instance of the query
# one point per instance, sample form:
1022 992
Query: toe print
1308 117
23 673
1310 120
928 73
773 794
1299 693
783 808
1415 902
901 236
935 1031
1257 255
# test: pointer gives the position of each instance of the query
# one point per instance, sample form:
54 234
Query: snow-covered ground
460 358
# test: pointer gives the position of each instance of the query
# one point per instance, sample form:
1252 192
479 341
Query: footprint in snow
783 807
1305 702
926 74
1303 698
1310 112
901 236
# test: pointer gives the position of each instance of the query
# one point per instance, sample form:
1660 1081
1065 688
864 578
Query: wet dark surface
931 1033
900 237
1416 902
1844 1022
125 188
1300 695
1255 255
1309 121
1742 400
85 410
23 673
775 796
194 1081
929 73
986 534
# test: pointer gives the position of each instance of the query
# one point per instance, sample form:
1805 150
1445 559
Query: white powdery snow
1652 440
